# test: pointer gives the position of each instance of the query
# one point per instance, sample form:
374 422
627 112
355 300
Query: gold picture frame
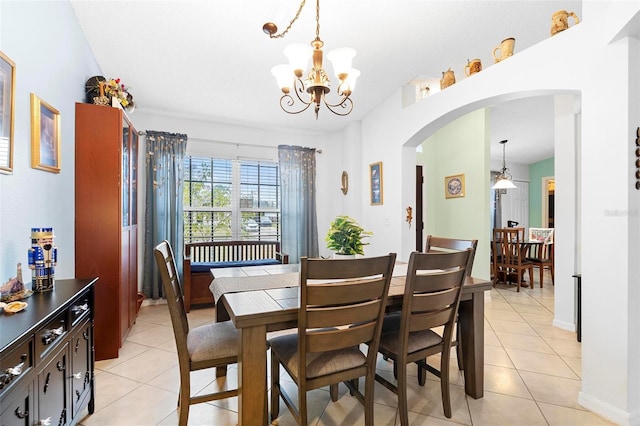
45 136
375 183
454 186
7 112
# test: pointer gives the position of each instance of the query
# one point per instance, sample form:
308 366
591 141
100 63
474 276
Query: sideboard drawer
79 309
16 364
53 332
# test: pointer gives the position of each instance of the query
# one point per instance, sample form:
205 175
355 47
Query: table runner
222 285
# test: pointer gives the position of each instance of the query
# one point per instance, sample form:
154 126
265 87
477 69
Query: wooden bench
200 258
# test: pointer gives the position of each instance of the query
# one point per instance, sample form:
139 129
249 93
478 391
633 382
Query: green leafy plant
345 236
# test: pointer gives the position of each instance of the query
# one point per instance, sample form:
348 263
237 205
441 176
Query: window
231 200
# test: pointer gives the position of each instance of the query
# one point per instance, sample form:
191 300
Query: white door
515 205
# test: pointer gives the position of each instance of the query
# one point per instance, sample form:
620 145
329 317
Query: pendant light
504 180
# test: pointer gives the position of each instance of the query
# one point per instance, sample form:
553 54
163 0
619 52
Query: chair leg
444 382
370 381
402 394
459 348
183 402
541 276
552 274
531 277
275 387
422 374
333 391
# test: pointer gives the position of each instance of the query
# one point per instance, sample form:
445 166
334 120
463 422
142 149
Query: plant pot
343 256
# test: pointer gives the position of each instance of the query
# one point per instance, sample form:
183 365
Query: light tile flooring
532 376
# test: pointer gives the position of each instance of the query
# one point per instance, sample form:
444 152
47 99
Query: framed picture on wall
454 186
45 136
375 180
7 113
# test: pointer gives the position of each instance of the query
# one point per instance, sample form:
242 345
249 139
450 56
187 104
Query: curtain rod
238 145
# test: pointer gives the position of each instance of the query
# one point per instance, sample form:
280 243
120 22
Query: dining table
262 299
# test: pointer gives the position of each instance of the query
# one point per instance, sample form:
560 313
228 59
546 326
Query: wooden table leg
252 376
471 323
221 316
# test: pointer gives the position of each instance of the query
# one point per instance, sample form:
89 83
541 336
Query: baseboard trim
564 325
608 411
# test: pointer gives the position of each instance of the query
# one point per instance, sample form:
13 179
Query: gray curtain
298 194
163 205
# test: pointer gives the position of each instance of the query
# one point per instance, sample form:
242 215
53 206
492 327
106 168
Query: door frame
545 200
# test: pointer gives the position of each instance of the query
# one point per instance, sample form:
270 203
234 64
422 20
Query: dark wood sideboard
47 357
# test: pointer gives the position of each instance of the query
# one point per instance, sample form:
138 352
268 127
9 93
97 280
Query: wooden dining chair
342 303
432 293
451 244
509 252
206 346
541 256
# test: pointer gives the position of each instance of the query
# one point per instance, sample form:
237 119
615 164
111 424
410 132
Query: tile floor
532 376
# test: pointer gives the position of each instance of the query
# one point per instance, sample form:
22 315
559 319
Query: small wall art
454 186
45 136
375 179
7 112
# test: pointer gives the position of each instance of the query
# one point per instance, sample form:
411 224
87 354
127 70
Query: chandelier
503 180
313 89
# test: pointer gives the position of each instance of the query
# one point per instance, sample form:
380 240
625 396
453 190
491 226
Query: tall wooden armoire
106 174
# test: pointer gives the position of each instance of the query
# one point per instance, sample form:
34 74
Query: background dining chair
448 244
342 303
510 250
206 346
541 255
432 293
436 244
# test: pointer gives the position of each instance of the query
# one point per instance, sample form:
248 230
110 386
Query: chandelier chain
317 19
295 18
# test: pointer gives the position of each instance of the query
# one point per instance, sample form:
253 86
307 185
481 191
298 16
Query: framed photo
375 180
454 186
45 136
7 112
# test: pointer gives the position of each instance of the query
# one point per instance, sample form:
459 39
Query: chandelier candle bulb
298 55
341 59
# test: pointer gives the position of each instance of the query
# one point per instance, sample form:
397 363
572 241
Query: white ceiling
210 60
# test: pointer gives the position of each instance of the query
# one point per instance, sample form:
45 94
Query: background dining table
265 299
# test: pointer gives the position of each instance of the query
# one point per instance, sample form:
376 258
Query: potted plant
345 236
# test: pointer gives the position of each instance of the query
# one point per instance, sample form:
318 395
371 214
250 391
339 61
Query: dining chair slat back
342 303
430 300
206 346
435 243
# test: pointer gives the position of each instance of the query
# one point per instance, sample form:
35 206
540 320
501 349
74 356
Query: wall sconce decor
345 182
409 215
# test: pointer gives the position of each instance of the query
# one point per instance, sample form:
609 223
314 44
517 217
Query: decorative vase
448 78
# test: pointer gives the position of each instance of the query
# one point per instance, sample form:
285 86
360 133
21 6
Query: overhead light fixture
503 180
313 89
